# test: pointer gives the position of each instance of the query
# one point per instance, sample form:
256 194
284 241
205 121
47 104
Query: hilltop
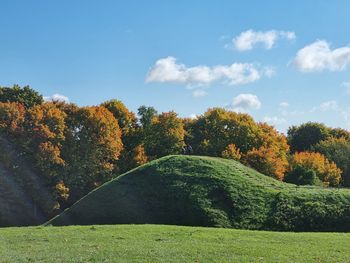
207 191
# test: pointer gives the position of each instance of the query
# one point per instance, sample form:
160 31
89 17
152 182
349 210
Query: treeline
76 149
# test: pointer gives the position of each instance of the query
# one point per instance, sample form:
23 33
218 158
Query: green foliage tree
338 151
26 95
340 133
146 115
302 138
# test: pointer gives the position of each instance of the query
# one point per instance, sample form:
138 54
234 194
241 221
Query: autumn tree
164 135
271 157
326 171
259 144
44 129
26 95
133 153
92 148
337 150
11 117
231 152
211 132
126 119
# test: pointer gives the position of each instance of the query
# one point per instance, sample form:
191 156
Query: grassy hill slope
157 243
205 191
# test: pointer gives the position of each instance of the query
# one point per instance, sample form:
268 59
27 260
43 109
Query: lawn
159 243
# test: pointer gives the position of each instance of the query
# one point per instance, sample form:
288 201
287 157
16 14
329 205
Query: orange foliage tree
11 117
232 152
326 171
271 157
91 150
44 129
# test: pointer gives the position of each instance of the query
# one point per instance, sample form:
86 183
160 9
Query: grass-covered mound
204 191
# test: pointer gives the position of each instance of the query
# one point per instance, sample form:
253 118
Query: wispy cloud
168 70
319 56
247 40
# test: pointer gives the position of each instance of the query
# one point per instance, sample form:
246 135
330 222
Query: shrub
301 175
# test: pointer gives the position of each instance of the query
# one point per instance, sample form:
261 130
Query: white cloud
284 104
318 56
168 70
245 102
199 93
248 39
56 97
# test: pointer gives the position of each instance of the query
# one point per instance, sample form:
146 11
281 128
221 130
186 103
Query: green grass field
159 243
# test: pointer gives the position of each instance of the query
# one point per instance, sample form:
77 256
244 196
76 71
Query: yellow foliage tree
232 152
326 171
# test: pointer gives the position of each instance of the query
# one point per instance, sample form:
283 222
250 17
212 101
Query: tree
44 129
259 144
132 158
26 96
303 137
164 136
126 119
92 148
146 115
337 150
326 171
11 117
215 129
266 161
340 133
231 152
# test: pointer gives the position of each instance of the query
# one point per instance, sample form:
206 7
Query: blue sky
282 62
